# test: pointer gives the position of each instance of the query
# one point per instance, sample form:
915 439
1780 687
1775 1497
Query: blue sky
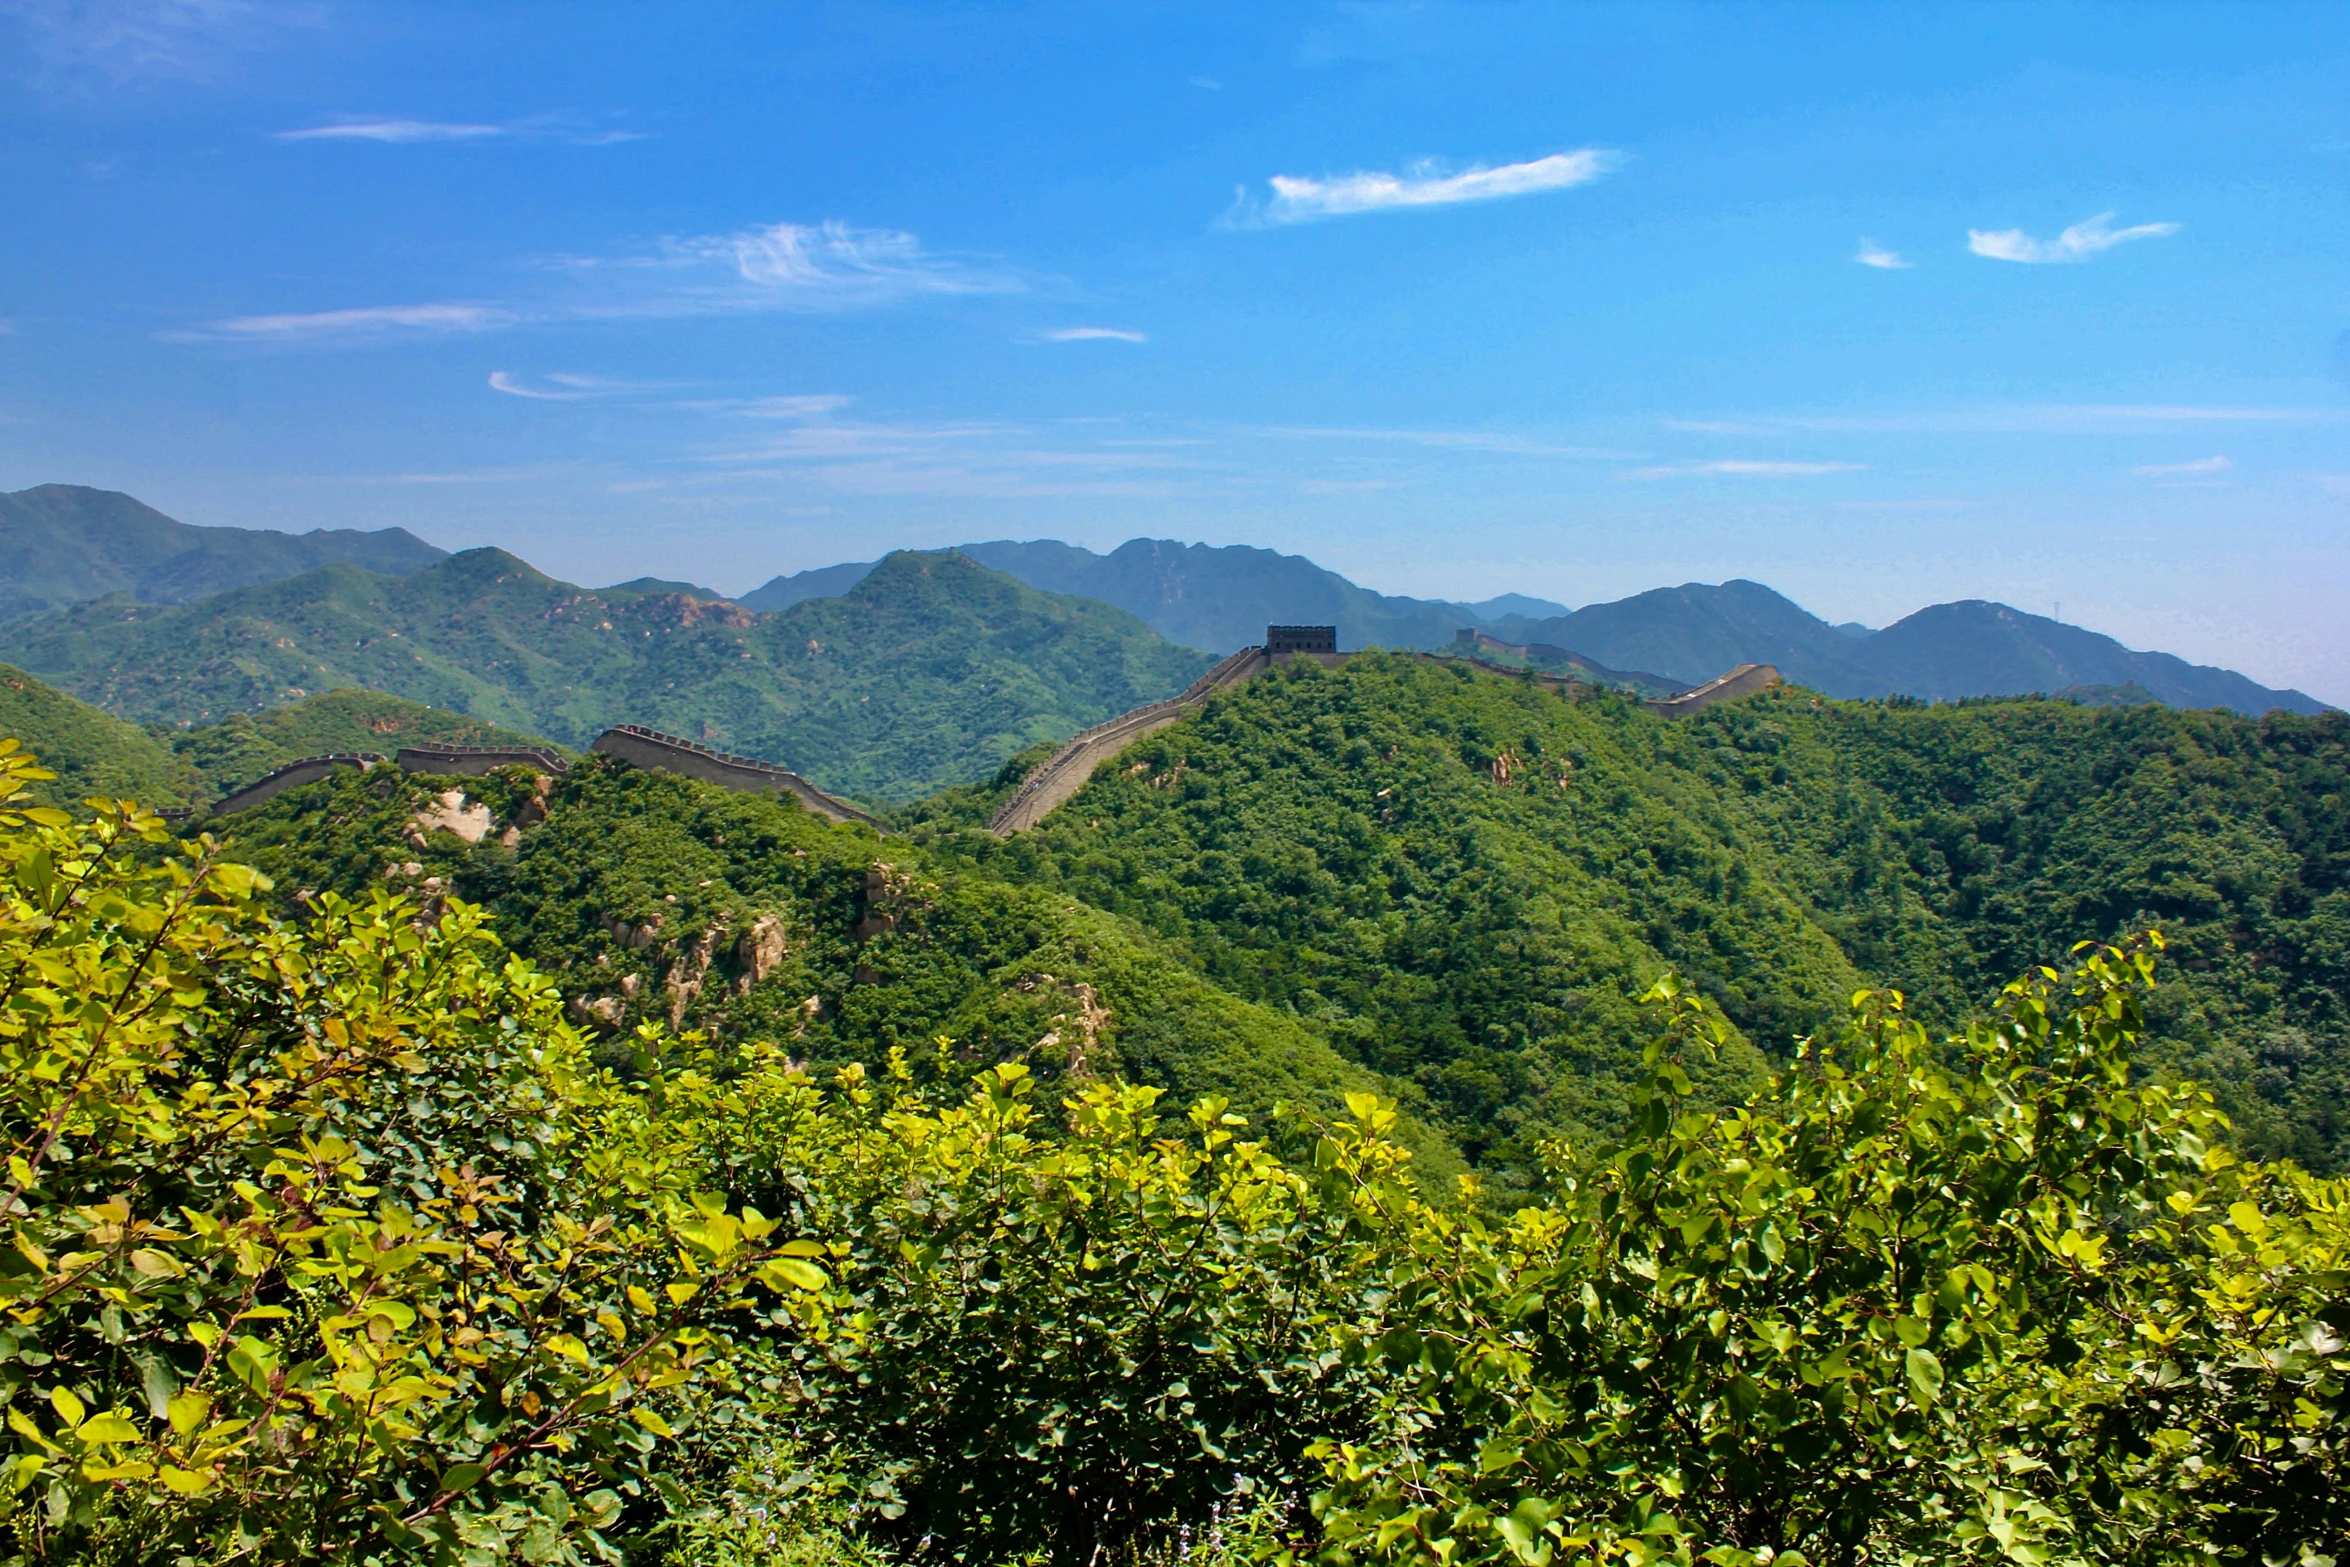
1882 305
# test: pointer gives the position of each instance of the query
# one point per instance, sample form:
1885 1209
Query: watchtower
1301 639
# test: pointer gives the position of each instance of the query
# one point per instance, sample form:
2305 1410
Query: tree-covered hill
929 672
1464 881
654 898
63 543
91 751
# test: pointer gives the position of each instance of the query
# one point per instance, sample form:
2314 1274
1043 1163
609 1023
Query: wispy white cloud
2175 469
394 131
1747 468
1205 83
560 387
1095 334
1872 254
399 131
7 327
802 406
1300 199
2078 243
1716 426
783 266
2062 418
370 321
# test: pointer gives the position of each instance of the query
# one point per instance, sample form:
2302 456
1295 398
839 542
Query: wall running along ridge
1064 772
646 748
1047 785
1059 776
655 751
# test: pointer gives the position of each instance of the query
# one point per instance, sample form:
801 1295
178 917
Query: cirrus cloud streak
1301 199
2078 243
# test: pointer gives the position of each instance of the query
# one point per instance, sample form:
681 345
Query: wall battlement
646 748
477 761
291 776
1745 680
657 752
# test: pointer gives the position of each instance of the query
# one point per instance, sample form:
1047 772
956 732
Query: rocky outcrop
760 951
451 812
686 975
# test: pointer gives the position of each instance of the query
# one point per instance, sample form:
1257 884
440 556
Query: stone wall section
1745 680
292 776
655 751
646 748
1065 772
477 761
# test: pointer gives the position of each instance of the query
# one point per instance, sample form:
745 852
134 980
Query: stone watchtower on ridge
1301 639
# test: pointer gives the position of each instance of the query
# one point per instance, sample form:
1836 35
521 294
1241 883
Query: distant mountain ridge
931 671
1940 654
64 544
1218 598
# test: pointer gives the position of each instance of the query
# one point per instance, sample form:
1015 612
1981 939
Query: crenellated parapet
292 776
478 761
657 752
1745 680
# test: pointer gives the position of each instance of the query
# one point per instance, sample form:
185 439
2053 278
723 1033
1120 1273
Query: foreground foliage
322 1240
330 1239
1984 1302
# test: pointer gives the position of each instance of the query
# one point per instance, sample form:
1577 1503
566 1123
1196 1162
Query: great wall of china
1053 780
630 743
1048 784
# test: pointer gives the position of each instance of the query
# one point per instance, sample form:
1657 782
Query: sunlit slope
650 896
1464 881
92 752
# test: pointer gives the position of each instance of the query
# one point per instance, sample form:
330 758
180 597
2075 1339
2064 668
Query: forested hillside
332 1241
929 672
92 752
1464 881
653 898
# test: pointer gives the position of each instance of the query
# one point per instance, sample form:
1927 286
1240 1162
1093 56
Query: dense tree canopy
332 1238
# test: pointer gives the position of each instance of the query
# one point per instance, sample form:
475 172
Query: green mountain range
1463 881
1218 597
931 671
1456 885
1221 598
63 543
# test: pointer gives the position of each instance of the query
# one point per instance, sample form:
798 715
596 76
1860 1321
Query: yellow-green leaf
107 1428
796 1271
